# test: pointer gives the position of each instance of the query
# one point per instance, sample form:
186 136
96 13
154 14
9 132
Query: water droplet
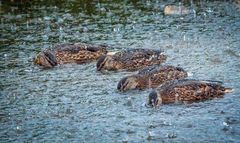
171 135
125 140
103 9
60 20
116 29
45 37
209 10
225 124
18 16
18 128
85 29
47 18
60 29
189 74
194 13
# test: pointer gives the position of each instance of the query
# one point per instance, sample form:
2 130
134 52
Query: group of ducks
169 82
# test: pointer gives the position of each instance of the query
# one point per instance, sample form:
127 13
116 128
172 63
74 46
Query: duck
130 60
151 77
69 53
186 91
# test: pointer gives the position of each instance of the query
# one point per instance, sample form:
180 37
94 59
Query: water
75 103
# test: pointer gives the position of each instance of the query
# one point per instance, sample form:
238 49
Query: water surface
75 103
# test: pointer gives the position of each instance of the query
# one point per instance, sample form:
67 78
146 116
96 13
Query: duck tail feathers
228 90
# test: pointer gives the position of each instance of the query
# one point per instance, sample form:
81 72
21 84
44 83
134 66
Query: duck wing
77 47
196 90
167 73
138 58
149 70
69 48
79 52
136 54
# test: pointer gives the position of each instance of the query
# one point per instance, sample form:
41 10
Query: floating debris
176 10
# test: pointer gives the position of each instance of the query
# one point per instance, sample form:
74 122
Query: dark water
74 103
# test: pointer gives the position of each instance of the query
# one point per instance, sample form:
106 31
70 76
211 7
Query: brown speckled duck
130 60
69 53
151 77
186 91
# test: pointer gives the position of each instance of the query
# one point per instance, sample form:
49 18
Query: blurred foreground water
74 103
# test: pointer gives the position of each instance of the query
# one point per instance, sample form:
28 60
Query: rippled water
74 103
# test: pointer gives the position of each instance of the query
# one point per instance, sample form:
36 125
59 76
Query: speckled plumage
69 53
151 77
186 90
130 60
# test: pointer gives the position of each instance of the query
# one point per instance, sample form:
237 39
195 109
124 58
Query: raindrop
225 124
190 74
115 29
45 37
125 140
194 13
48 29
60 30
103 9
171 135
47 18
18 16
27 25
209 10
67 16
77 33
39 19
151 135
18 128
14 28
85 29
204 14
60 20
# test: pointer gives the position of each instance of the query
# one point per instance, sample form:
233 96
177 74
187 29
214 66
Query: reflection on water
75 103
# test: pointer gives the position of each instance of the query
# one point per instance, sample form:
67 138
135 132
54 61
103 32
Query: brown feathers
131 59
186 90
173 87
151 77
70 53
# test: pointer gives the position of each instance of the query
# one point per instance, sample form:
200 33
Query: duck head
126 83
46 59
154 99
104 62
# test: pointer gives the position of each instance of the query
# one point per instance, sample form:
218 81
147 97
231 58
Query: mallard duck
186 91
69 53
130 60
151 77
